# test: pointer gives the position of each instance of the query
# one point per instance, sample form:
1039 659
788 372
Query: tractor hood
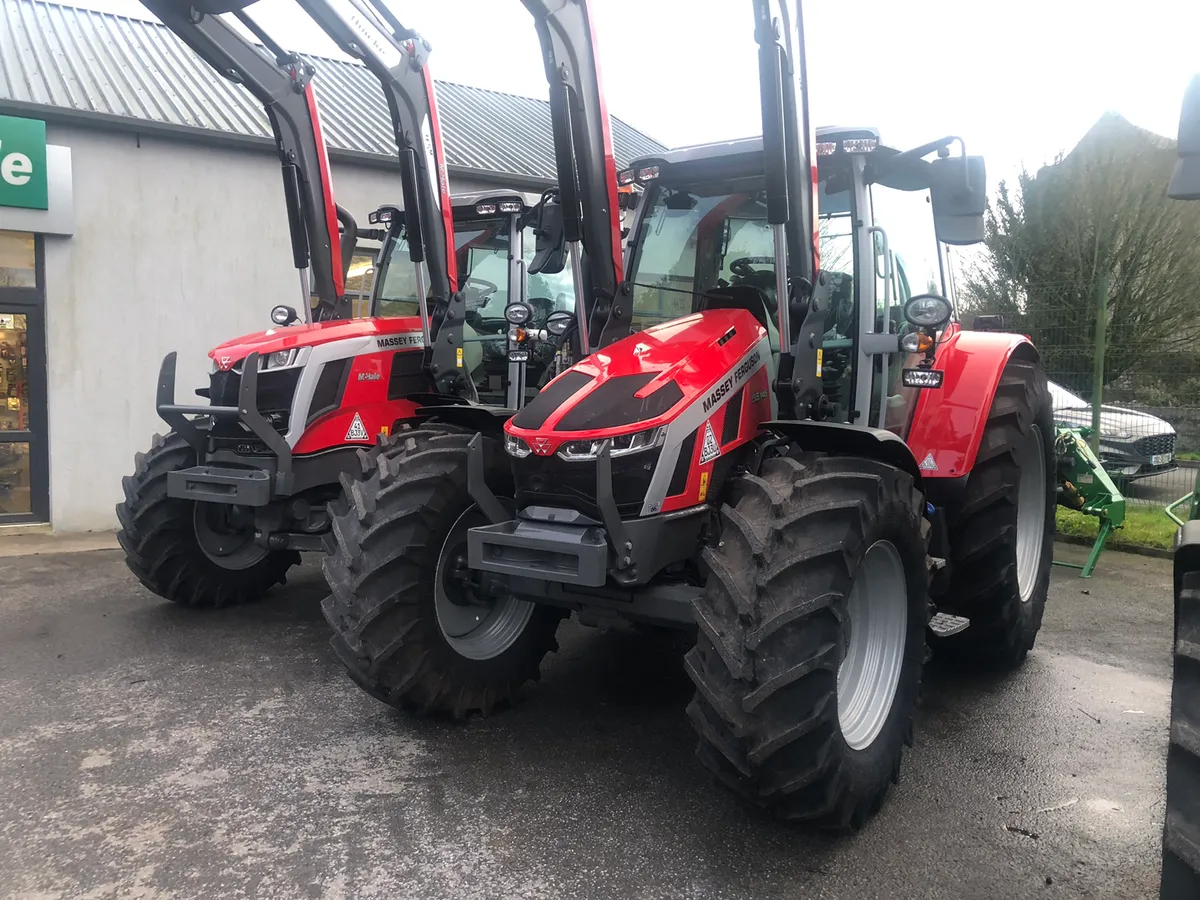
273 340
646 379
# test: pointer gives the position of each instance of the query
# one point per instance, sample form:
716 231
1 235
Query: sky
1018 80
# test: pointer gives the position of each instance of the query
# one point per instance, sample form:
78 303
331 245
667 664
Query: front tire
1002 533
413 625
820 559
1181 827
164 538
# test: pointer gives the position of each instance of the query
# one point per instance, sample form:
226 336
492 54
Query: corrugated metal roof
98 63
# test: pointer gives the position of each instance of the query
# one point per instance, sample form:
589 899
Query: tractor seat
740 296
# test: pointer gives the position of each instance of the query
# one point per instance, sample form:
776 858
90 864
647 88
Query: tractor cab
495 249
701 239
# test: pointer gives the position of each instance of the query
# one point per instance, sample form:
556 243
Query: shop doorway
24 467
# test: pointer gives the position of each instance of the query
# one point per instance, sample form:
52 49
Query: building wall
176 247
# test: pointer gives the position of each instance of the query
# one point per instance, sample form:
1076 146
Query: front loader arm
283 86
586 170
368 31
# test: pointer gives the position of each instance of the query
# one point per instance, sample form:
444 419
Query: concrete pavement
148 751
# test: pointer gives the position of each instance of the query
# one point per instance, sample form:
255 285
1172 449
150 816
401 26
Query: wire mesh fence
1144 382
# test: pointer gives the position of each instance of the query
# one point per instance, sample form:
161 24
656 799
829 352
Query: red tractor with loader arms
813 470
216 512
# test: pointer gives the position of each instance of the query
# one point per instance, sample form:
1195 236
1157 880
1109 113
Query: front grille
1155 444
274 398
552 481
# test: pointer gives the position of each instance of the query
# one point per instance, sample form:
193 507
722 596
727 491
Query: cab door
901 258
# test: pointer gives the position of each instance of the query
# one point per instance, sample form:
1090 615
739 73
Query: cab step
945 624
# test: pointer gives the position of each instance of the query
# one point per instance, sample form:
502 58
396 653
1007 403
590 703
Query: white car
1132 444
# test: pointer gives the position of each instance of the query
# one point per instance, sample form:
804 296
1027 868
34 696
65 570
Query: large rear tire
165 549
413 626
812 636
1002 533
1181 828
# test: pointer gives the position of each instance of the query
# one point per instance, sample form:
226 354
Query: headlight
622 445
928 311
514 446
559 321
1117 434
518 313
279 360
283 315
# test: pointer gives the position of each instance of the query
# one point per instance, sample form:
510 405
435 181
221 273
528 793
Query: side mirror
551 255
1185 180
284 315
349 237
958 191
989 323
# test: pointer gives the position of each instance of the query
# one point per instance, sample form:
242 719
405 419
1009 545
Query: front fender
851 440
948 422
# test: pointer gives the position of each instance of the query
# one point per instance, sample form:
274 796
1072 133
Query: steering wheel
487 289
741 266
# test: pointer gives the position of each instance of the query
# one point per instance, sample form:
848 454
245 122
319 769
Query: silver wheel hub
877 611
477 621
1031 511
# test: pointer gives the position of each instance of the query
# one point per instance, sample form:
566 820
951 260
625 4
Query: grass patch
1190 455
1144 527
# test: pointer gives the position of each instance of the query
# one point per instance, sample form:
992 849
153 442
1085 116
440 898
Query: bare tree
1102 210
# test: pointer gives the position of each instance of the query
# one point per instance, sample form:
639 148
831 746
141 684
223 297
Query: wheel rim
476 623
1031 512
878 624
226 545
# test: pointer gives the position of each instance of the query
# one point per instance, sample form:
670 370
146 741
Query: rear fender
849 440
948 422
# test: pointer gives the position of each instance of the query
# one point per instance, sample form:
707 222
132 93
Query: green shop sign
22 163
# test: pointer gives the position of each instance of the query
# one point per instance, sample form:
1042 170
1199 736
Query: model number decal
400 340
758 396
721 390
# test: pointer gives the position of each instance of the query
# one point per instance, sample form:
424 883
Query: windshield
693 241
696 240
481 254
397 280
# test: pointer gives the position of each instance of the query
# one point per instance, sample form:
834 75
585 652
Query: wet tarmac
150 752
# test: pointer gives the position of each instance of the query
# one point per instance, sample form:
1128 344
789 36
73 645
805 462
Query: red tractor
816 472
216 512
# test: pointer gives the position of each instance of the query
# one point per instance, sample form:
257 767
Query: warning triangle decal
710 449
928 464
358 431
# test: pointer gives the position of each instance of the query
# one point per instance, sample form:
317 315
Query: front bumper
570 548
1138 458
270 477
